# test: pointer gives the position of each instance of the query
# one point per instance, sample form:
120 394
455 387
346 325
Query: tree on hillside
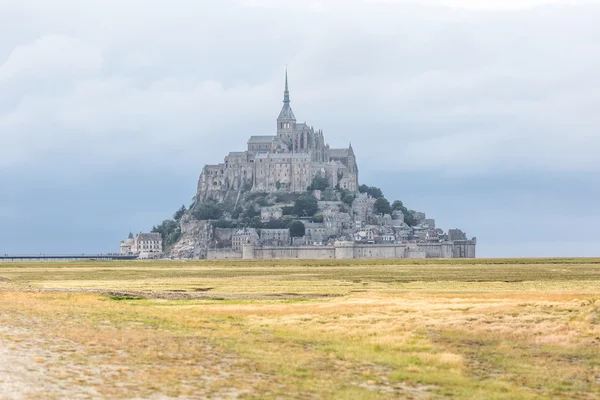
409 218
382 206
297 229
306 206
179 213
375 192
372 191
277 224
348 198
208 210
169 230
319 183
397 205
251 211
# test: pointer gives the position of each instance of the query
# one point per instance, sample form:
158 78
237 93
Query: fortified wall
349 250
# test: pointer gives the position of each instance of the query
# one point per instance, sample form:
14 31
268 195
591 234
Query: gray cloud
455 88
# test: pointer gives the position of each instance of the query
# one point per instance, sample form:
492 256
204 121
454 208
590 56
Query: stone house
362 207
243 236
144 243
268 213
315 231
149 242
388 238
277 237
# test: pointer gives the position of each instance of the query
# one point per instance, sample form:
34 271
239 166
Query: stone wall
348 250
306 252
223 254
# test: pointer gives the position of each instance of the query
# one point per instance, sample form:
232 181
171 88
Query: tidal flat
301 329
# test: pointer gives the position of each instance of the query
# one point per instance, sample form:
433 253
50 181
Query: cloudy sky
484 114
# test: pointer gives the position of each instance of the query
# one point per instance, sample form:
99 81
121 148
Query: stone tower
286 122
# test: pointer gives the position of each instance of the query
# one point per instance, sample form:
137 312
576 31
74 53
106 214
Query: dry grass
485 329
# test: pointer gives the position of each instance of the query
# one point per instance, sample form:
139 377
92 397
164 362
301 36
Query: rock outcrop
196 236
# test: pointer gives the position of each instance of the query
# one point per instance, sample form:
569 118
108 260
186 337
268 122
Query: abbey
290 195
288 160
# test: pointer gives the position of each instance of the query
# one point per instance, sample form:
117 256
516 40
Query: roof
149 236
283 155
246 232
286 113
261 139
339 152
130 236
237 154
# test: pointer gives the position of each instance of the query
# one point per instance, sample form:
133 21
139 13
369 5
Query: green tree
173 237
237 212
169 231
208 210
306 206
397 205
262 201
255 222
179 213
277 224
319 183
409 218
287 210
251 212
348 198
375 192
297 229
382 206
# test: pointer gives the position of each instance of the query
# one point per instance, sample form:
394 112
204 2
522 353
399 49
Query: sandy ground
32 366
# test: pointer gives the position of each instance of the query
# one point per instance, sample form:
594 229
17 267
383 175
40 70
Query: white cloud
51 55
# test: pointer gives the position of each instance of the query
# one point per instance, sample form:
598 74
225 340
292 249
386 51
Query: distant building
128 245
278 237
268 213
144 244
149 242
243 236
286 161
456 234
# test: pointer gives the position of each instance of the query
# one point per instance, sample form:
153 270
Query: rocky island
291 195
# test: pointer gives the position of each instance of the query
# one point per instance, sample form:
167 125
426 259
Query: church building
288 160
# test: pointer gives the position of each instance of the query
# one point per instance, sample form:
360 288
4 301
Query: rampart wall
457 249
223 254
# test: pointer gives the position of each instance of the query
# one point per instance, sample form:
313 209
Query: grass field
359 329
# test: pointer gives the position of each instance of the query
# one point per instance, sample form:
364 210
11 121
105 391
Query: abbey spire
286 120
286 92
